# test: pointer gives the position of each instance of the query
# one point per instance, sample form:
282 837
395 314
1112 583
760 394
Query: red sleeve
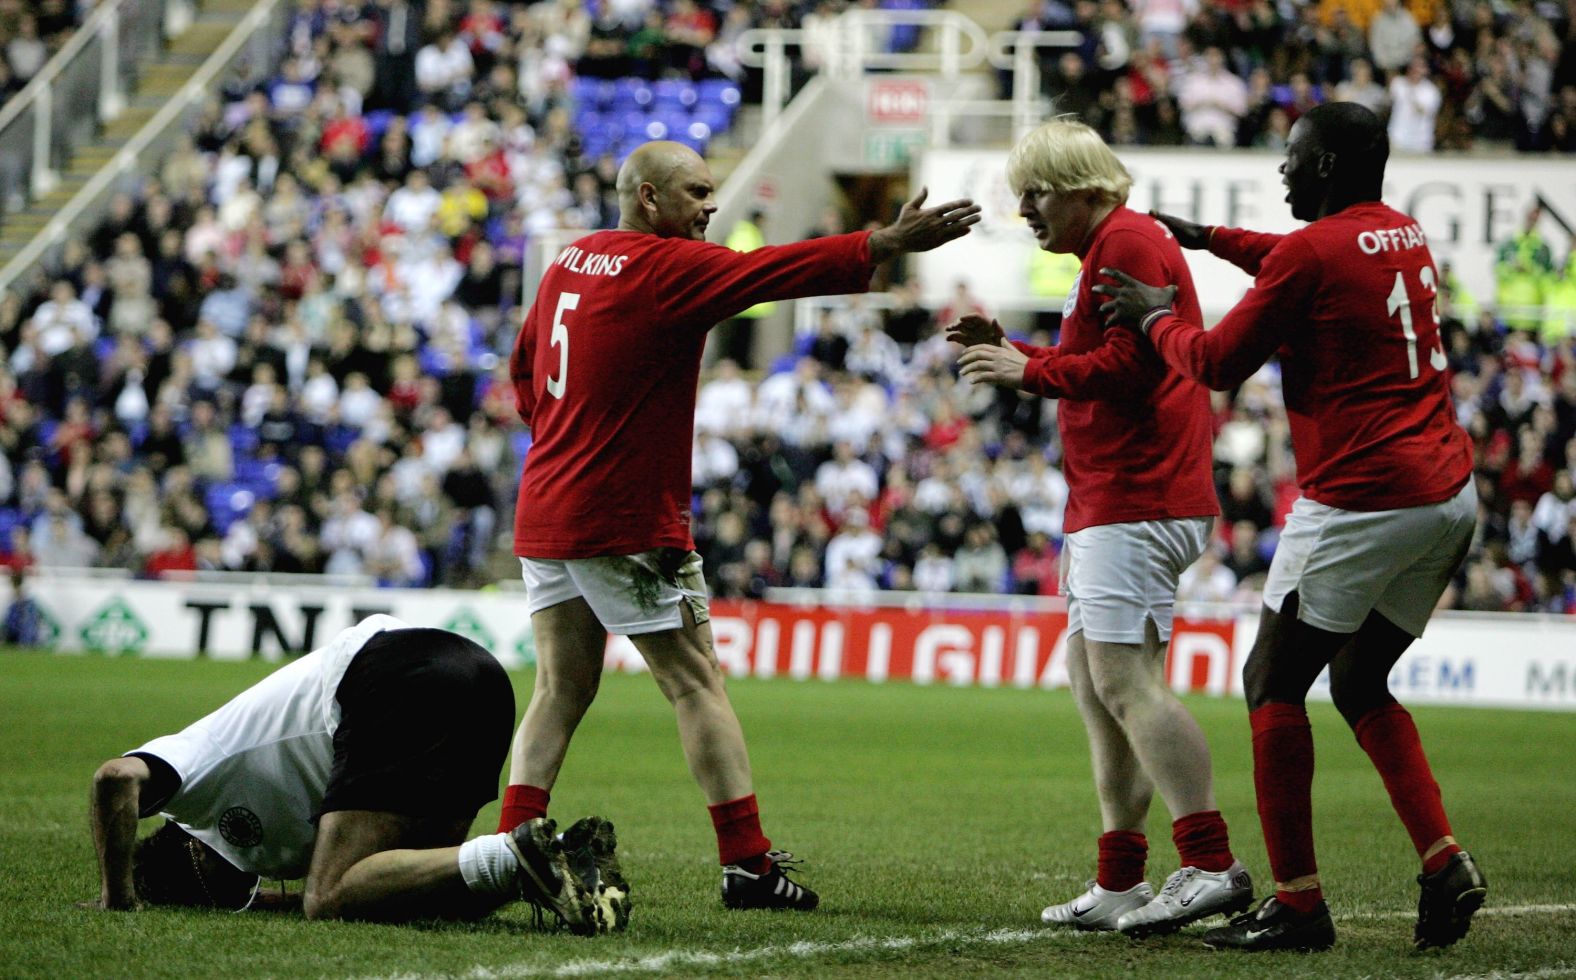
1244 249
1118 368
1255 328
709 283
520 368
1115 370
1032 351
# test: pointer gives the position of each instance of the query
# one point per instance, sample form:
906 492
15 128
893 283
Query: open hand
974 329
1130 299
992 365
920 229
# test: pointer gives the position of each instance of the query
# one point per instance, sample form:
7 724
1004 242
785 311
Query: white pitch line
1545 974
1489 910
808 949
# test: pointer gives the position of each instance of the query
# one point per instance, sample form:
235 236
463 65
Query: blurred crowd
281 352
1448 74
30 33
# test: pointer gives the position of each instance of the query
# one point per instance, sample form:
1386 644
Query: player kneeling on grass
1139 511
1387 511
358 766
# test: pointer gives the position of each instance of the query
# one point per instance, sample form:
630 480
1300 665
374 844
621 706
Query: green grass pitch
936 823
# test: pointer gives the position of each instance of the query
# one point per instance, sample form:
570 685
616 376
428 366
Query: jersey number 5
1397 302
560 339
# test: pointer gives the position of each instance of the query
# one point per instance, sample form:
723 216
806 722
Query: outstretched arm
1226 356
117 790
920 229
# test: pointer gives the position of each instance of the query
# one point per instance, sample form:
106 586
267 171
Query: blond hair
1064 155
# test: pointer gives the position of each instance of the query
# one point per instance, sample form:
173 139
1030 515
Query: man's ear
647 193
1326 164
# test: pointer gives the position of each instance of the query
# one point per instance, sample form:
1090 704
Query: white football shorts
1116 576
630 594
1346 563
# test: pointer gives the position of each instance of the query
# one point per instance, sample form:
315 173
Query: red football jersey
1348 301
1135 436
605 372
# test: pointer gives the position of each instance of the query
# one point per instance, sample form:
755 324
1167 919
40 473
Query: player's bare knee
114 774
319 903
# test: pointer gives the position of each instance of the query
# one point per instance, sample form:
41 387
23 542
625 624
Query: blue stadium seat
631 93
104 347
718 118
10 518
337 439
261 476
378 123
672 92
520 442
717 91
243 441
228 503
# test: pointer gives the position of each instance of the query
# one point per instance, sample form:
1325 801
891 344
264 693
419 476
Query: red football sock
739 837
1121 862
1283 783
1202 841
1390 738
521 803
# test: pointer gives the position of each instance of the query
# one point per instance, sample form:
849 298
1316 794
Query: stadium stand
282 351
29 34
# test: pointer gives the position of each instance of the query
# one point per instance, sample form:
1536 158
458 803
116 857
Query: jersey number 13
1398 302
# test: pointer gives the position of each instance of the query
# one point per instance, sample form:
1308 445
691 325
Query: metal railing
253 42
80 89
856 44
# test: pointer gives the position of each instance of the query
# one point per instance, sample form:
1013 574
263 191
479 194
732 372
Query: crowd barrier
1496 660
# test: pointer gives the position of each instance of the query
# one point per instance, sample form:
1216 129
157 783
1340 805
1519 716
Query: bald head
665 189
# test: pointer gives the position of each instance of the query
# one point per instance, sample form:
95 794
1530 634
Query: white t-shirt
254 772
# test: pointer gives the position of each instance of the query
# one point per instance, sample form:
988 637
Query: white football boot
1188 896
1098 909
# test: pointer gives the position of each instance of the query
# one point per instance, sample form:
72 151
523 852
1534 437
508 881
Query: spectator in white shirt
853 556
933 571
474 135
319 393
428 131
441 440
1213 101
349 534
413 205
844 480
1206 580
1393 36
358 403
713 460
444 69
394 557
213 356
1415 102
723 405
63 321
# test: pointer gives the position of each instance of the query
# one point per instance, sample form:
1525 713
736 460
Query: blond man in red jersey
1136 447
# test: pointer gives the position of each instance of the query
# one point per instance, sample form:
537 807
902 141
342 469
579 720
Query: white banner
1465 206
1517 661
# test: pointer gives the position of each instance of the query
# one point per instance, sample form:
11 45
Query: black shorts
426 718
